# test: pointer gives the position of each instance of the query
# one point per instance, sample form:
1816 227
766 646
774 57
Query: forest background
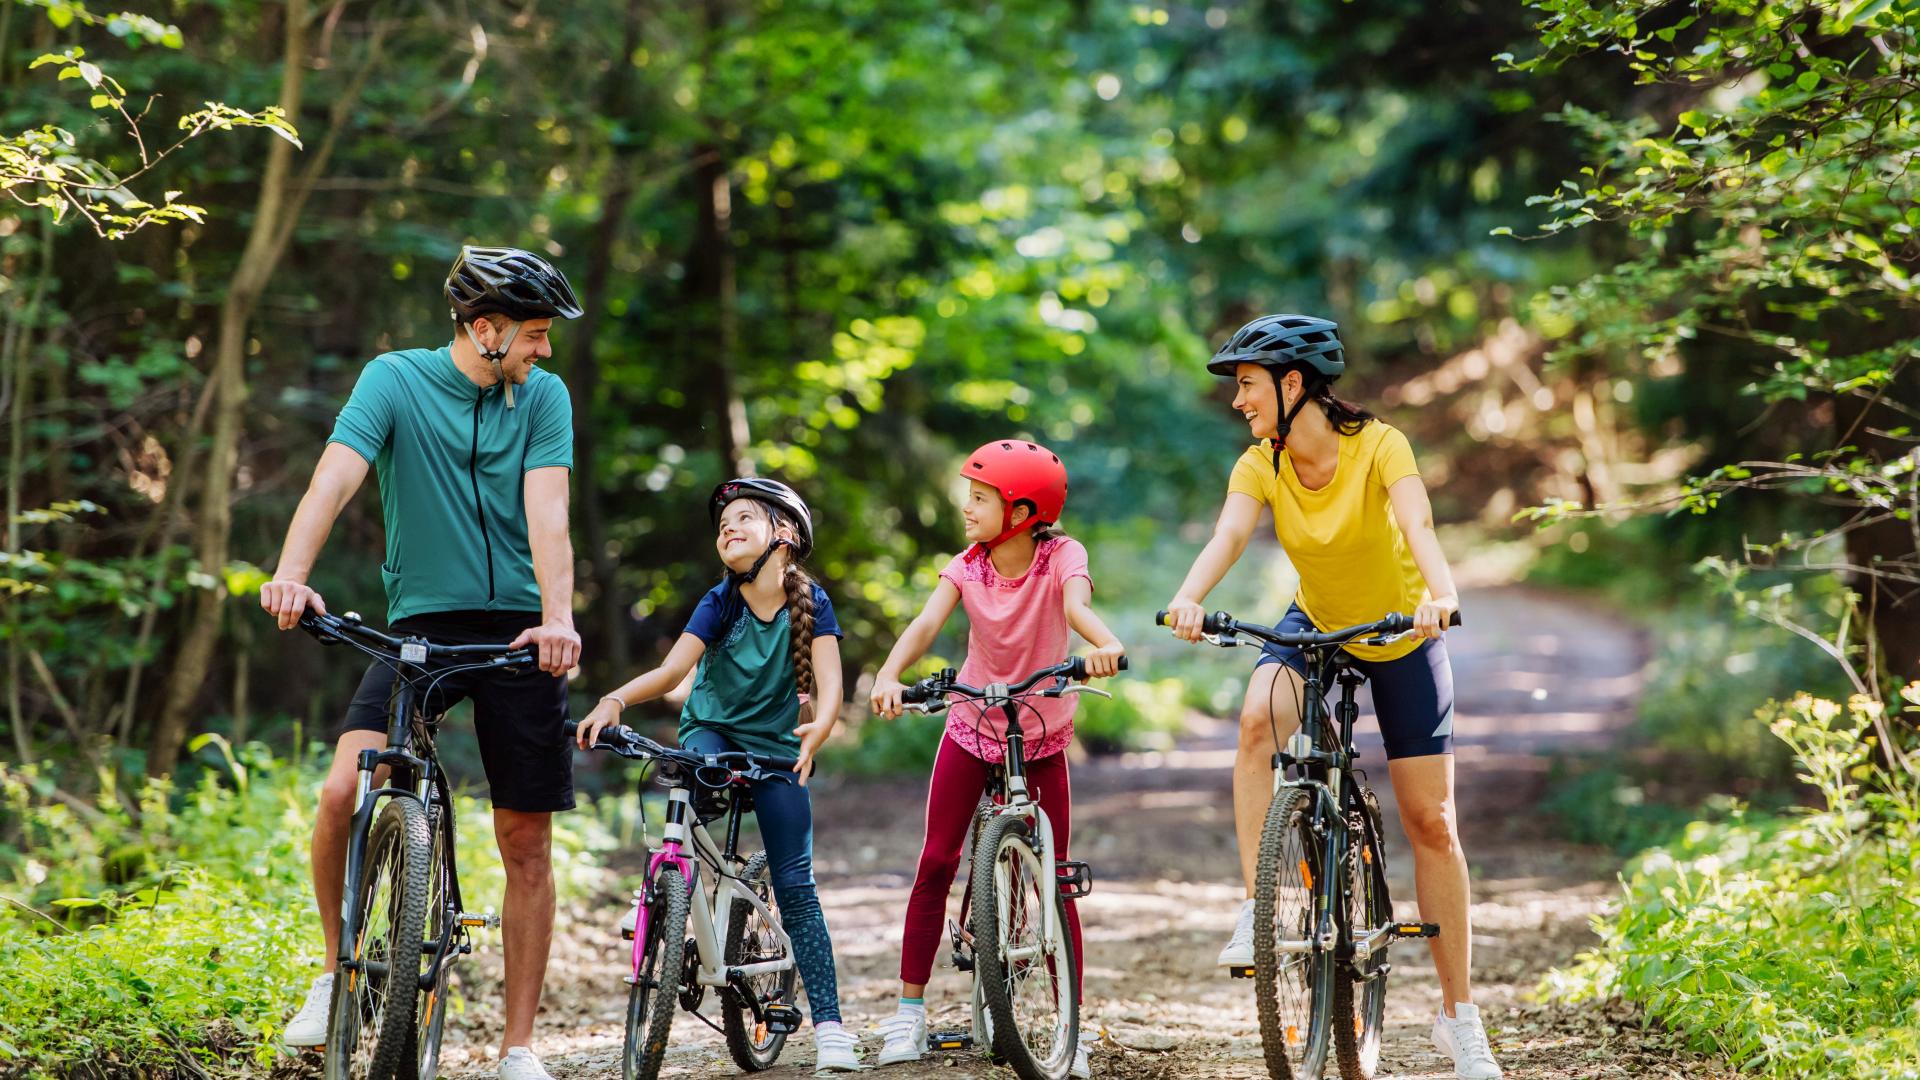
1636 278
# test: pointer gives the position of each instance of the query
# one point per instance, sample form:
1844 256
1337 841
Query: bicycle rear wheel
656 986
1292 976
750 940
1360 989
1025 973
370 1027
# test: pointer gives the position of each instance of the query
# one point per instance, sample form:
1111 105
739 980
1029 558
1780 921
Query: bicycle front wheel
370 1027
751 940
1360 989
1293 976
443 935
656 985
1023 961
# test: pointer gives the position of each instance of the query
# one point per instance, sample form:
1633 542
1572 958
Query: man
474 446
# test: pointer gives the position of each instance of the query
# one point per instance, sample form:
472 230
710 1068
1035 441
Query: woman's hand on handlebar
605 714
885 699
1104 662
1430 619
1185 617
286 601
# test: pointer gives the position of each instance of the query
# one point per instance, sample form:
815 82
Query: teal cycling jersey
452 461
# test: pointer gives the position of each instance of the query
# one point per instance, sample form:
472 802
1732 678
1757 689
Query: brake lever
1226 641
1082 689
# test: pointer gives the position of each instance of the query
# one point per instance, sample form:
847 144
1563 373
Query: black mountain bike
401 923
1322 916
1016 941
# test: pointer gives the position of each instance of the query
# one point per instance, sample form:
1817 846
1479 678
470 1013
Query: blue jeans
785 813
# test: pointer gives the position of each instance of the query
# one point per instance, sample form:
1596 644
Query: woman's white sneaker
1239 950
904 1037
1463 1038
1082 1069
835 1049
309 1026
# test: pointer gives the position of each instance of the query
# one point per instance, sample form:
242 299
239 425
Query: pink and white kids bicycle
705 919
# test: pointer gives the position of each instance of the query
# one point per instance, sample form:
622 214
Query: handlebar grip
917 694
609 736
1079 672
1396 622
1217 623
1160 619
1455 620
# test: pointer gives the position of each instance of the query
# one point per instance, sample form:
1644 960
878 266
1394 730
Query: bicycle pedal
1415 930
489 921
1076 879
1240 971
781 1019
950 1040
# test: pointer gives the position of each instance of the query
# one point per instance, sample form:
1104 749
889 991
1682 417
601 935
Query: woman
1353 516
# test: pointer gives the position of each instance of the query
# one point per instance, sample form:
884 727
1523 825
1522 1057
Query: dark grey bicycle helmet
1281 340
783 500
510 282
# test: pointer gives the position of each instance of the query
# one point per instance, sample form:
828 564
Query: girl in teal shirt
766 643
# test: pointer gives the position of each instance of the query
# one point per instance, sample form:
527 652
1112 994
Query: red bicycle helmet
1020 470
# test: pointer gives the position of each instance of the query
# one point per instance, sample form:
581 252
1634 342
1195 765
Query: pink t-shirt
1016 627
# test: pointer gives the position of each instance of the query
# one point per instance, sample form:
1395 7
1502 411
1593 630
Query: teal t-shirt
452 461
744 687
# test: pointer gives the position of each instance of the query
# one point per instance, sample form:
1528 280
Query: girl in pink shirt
1023 585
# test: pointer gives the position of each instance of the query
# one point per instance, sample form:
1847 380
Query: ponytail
1346 417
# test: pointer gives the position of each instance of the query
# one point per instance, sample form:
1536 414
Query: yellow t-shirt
1353 561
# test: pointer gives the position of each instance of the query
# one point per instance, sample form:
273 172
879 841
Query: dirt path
1536 674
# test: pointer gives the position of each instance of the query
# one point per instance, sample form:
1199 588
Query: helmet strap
1008 530
497 355
1308 386
746 576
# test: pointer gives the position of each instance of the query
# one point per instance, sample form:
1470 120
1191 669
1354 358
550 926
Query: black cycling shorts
519 716
1412 695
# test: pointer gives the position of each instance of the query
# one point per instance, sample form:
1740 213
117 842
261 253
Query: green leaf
1808 80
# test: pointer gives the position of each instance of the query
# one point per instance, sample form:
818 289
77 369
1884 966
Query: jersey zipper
479 512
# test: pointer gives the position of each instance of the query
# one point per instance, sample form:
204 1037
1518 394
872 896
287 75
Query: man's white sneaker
1239 950
309 1026
1464 1039
904 1037
1082 1069
520 1064
835 1049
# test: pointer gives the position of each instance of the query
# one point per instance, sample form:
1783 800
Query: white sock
830 1025
910 1008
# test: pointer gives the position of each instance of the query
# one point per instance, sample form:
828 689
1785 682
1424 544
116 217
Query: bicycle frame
1019 801
711 916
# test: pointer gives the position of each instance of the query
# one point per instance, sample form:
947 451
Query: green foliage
1143 714
143 942
1594 802
1788 943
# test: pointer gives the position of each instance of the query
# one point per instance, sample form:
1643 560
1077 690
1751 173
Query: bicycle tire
752 1050
398 851
656 987
430 1024
994 915
1359 1019
1287 841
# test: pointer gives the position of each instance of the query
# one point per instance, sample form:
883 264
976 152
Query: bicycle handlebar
629 743
1222 623
332 629
927 689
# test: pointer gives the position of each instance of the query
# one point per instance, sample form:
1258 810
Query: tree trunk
612 650
711 277
1893 605
15 390
275 214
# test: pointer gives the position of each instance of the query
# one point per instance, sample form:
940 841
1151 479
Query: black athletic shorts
519 716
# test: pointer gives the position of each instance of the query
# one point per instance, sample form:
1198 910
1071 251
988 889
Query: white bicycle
1016 942
725 902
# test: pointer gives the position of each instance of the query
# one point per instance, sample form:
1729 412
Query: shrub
1788 943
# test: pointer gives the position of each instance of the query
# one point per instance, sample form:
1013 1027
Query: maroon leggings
959 779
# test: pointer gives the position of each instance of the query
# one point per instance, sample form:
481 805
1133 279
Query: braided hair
800 630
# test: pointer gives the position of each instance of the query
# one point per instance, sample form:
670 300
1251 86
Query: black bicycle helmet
1281 340
511 282
783 500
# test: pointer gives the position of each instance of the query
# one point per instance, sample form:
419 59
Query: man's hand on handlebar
556 646
1185 616
287 600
